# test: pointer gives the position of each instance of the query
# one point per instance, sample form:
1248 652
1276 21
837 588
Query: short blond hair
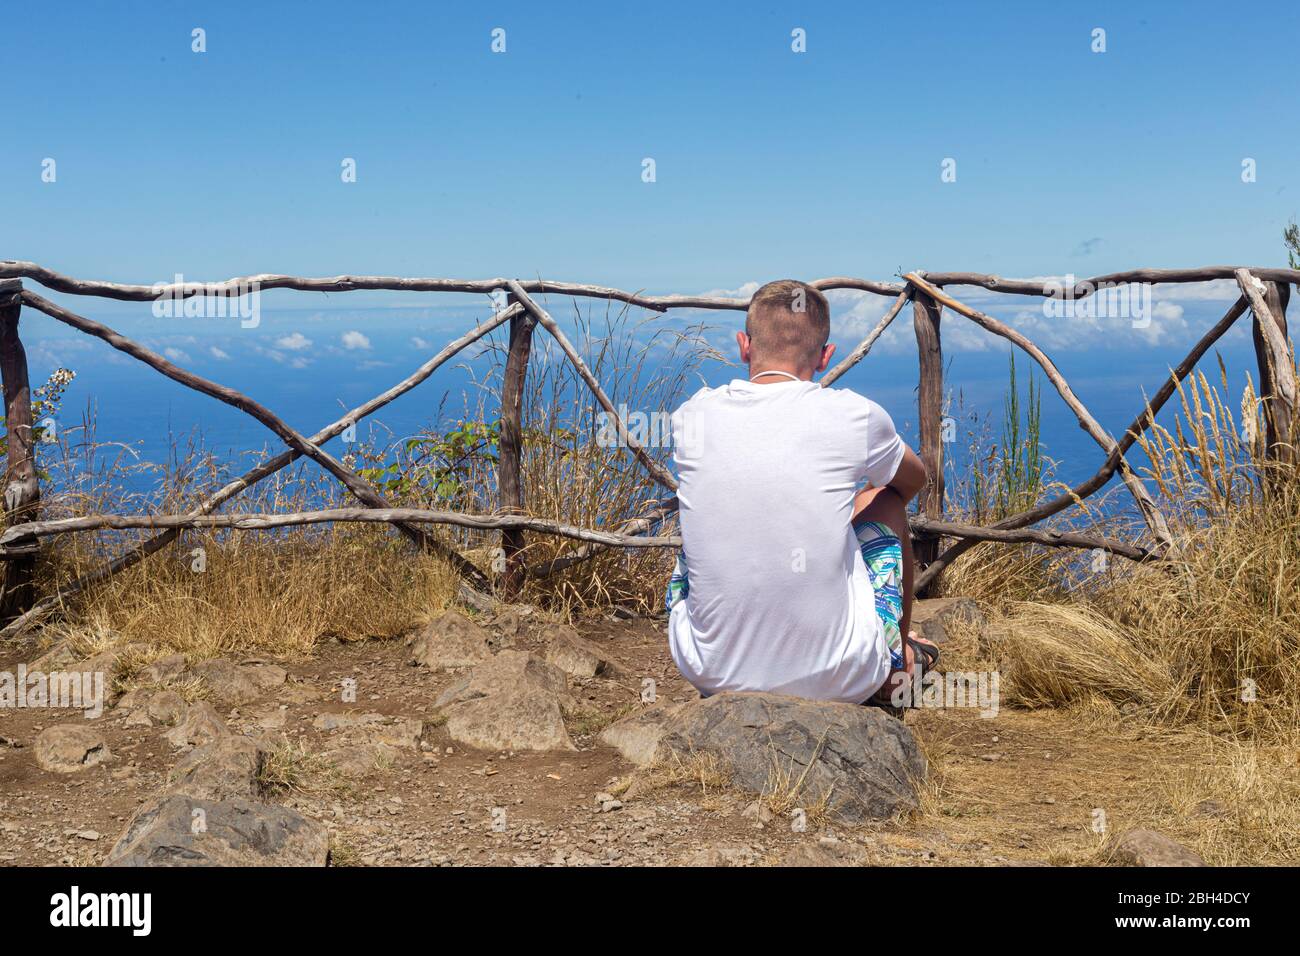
788 321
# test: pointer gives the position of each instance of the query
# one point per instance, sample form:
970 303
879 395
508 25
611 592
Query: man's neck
774 375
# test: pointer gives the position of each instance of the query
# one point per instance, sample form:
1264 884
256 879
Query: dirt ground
1020 788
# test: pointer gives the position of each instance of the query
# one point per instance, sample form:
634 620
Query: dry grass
1209 638
702 770
294 768
268 595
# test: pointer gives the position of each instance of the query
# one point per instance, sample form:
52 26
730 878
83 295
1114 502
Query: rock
931 618
864 763
759 812
345 721
359 760
403 733
721 856
820 855
57 657
509 722
638 735
510 672
178 830
575 656
393 732
105 662
162 670
67 748
1149 848
450 640
515 701
138 718
166 707
235 684
201 725
230 766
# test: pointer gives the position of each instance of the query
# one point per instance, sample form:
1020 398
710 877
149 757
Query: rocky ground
515 741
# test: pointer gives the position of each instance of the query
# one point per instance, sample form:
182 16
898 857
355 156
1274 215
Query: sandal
924 658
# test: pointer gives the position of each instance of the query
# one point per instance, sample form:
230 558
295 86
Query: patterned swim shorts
882 553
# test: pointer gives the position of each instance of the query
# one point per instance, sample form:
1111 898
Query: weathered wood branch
59 282
510 483
1146 504
1085 287
358 486
1278 388
657 471
144 549
244 285
862 348
926 314
638 526
274 520
22 494
1113 459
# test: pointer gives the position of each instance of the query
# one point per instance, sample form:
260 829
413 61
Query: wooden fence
1264 292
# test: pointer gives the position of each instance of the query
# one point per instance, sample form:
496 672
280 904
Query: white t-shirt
779 598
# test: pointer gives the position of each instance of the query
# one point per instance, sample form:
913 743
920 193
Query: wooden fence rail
1265 292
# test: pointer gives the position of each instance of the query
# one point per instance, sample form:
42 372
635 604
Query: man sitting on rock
793 577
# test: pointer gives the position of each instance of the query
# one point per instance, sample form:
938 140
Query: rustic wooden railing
1264 292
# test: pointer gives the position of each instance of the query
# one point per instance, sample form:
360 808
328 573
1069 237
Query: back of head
788 323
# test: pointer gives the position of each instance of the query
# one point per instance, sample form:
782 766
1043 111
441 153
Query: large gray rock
864 763
178 830
1149 848
639 735
230 766
515 701
450 640
67 748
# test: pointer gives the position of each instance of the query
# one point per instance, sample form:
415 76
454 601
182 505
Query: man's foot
913 663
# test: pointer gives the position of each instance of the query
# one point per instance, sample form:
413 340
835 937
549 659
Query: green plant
46 401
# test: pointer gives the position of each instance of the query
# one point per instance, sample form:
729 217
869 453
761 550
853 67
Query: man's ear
742 340
827 352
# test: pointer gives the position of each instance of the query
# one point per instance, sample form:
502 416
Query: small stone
1149 848
67 748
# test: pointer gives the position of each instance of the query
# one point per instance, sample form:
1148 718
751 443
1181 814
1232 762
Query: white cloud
176 355
355 340
294 343
217 353
419 343
744 292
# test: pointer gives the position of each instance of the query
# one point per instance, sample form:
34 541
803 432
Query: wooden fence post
925 319
510 487
22 491
1277 413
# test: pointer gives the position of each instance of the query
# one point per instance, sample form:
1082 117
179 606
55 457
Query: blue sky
769 163
529 162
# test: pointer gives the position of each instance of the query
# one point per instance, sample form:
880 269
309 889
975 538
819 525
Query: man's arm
910 477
